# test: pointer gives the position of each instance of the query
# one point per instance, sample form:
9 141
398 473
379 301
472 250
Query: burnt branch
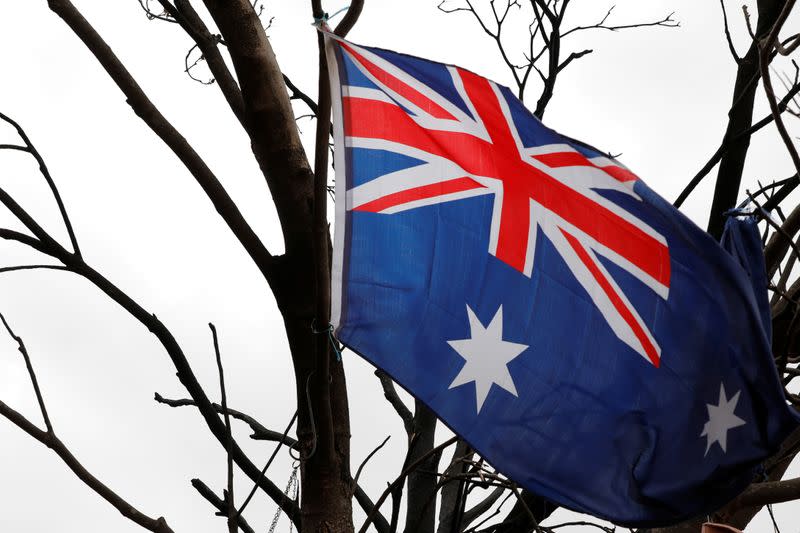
390 393
296 94
187 68
740 118
422 486
767 47
350 18
269 462
19 268
731 142
163 16
476 511
31 149
44 243
367 458
731 47
582 523
666 22
221 505
450 502
145 109
31 373
260 432
229 497
208 44
543 51
398 482
49 439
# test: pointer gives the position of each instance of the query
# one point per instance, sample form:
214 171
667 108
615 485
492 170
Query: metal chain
291 486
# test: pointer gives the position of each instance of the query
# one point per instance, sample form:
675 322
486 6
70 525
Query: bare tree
467 494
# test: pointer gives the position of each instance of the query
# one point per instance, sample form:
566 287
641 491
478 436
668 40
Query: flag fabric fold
585 337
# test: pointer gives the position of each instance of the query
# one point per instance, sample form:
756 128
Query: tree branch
367 458
193 25
728 143
401 479
221 505
229 497
390 393
145 109
262 433
49 439
31 149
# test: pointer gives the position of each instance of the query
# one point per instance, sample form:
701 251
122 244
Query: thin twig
49 439
728 142
31 373
665 22
767 47
145 109
528 511
390 393
401 479
232 525
220 504
48 178
32 267
731 47
269 462
367 458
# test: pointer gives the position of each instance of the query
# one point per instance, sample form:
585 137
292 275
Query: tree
232 42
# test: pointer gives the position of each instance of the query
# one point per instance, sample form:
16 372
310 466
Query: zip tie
320 21
334 344
331 339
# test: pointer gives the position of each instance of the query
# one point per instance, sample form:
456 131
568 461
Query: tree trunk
421 509
323 428
740 117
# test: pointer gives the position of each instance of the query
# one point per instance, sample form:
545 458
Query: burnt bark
740 118
298 282
420 509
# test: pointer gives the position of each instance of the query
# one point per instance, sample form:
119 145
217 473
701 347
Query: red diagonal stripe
419 193
575 159
563 159
400 87
604 226
619 173
522 181
373 119
616 301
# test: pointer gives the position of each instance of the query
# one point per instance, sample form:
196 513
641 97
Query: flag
586 338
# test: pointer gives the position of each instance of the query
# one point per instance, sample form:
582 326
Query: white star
486 355
721 419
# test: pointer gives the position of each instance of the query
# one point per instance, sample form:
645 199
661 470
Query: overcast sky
657 96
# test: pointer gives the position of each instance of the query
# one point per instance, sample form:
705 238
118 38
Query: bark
740 117
421 508
519 520
450 501
323 422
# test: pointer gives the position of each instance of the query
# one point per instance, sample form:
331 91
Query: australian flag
587 339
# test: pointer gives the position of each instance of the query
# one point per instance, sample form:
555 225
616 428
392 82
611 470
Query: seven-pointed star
721 419
486 355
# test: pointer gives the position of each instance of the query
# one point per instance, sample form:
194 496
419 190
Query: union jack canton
508 276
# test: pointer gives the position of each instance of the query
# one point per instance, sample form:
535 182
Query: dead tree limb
49 439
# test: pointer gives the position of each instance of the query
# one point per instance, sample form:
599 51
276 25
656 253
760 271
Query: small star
721 419
486 355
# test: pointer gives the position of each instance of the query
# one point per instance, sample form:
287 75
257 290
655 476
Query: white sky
658 96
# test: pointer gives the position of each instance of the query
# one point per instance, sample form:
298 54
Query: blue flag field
586 338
